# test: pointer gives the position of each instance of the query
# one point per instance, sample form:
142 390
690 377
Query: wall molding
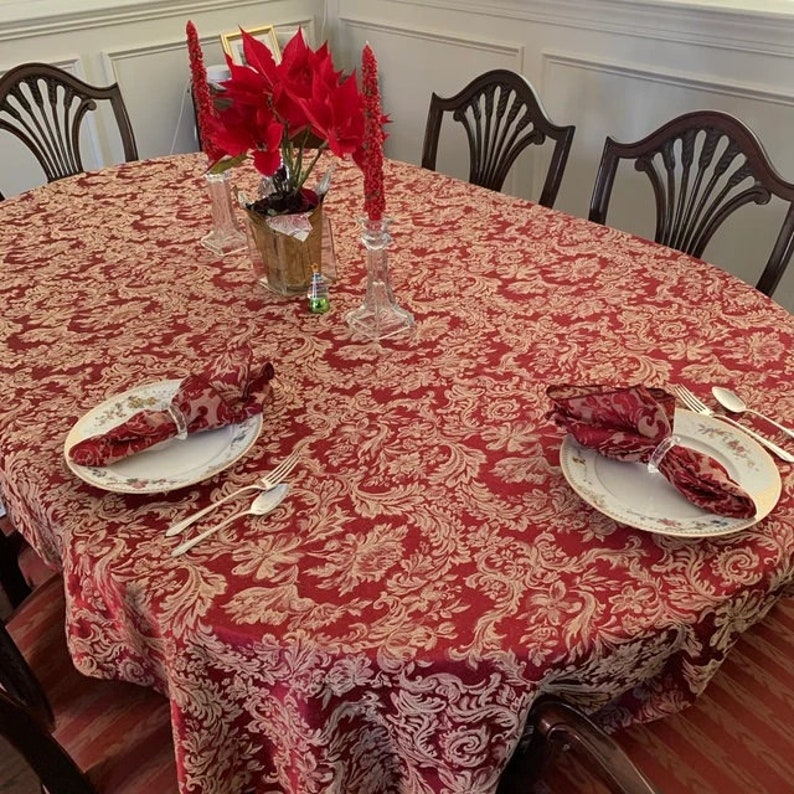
110 57
705 24
667 77
285 30
59 23
170 45
511 49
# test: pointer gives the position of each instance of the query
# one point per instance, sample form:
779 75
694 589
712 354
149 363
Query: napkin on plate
230 390
629 424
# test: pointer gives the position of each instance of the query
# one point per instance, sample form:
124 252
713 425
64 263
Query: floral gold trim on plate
630 494
167 466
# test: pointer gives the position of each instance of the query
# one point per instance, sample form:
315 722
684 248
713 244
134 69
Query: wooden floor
737 738
739 734
15 777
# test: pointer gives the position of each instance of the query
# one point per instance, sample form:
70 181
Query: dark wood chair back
56 771
703 166
12 580
16 676
21 569
45 106
19 681
79 735
553 725
502 115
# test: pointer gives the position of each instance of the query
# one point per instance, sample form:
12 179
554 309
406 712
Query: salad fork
694 404
265 503
264 483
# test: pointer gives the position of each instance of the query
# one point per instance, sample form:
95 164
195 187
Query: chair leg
528 764
11 578
556 726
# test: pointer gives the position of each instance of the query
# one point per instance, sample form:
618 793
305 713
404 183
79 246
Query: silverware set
736 405
699 407
273 493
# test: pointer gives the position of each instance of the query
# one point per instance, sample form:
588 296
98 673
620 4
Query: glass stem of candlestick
226 236
379 316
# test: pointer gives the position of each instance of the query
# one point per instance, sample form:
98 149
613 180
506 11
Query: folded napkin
629 424
230 390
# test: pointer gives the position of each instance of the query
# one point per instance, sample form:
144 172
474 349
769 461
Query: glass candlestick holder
226 236
379 316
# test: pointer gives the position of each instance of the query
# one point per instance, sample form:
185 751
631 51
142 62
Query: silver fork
694 404
264 483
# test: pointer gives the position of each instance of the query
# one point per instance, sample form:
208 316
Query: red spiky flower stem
374 198
201 93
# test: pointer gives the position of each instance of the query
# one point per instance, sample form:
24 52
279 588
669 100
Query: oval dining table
431 570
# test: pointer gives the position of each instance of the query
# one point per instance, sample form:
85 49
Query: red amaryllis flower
305 71
259 58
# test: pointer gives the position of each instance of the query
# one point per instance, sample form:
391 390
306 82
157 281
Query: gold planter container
287 260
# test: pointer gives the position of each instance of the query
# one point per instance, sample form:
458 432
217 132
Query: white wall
140 45
617 67
611 67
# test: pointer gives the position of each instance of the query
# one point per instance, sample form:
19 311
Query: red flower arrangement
273 111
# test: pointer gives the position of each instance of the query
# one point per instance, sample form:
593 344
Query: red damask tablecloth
431 571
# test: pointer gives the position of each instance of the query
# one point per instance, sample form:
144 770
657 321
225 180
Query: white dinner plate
167 466
630 494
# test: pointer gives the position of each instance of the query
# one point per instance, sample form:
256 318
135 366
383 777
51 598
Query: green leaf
226 163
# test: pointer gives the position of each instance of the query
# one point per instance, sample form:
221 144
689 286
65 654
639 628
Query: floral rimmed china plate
167 466
630 494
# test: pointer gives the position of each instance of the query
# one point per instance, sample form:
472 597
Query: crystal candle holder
226 236
379 316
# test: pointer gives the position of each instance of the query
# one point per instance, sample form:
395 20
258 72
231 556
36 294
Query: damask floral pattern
385 629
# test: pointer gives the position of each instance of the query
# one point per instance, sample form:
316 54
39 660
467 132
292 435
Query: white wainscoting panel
412 64
599 90
608 66
142 45
137 69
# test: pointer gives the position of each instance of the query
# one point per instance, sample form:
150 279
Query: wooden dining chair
501 115
12 581
21 569
45 107
53 767
702 166
736 737
554 727
104 737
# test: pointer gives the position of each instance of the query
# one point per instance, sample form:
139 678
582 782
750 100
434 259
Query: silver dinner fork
264 483
694 404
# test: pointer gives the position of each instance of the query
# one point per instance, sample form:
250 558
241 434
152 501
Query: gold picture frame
232 42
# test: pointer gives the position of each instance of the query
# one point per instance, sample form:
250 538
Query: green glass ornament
318 293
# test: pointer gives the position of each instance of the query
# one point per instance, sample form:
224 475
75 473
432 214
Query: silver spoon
735 404
262 505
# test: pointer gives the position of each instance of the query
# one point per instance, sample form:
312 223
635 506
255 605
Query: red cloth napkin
629 423
229 391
